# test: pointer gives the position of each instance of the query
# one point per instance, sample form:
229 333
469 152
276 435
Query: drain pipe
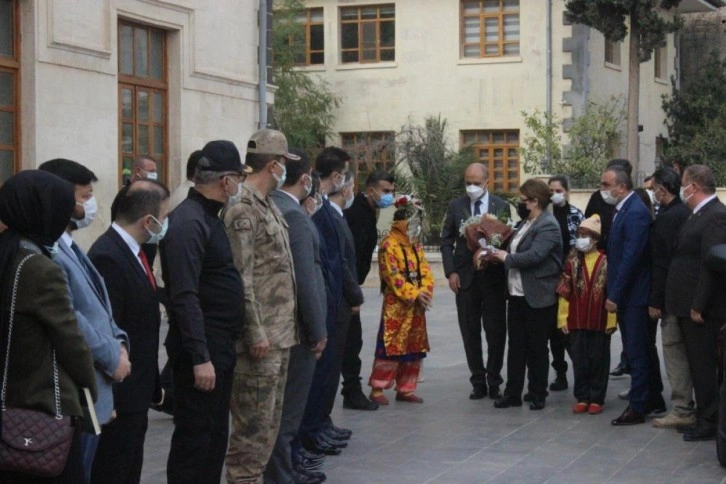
548 101
262 62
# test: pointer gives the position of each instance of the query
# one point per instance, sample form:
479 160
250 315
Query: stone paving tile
451 439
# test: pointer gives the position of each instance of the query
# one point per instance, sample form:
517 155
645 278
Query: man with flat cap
261 248
206 316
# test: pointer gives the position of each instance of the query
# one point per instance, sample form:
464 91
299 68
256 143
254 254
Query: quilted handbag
32 442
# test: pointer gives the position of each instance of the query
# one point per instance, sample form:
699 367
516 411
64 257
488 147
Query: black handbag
32 442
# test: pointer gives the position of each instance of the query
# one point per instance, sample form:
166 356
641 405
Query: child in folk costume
407 285
582 315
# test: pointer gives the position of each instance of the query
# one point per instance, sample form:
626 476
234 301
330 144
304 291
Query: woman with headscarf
408 287
36 207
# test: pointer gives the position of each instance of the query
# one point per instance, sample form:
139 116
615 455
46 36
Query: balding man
480 295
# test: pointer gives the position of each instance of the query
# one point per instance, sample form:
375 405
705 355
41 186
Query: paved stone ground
451 439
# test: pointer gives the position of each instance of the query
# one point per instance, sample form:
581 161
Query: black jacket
361 218
597 205
206 297
663 236
135 306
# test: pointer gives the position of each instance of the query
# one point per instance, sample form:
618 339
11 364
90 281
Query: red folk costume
583 286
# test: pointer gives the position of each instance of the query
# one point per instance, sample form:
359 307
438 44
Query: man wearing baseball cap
206 315
262 255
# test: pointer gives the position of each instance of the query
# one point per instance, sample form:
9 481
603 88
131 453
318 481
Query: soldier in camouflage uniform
261 249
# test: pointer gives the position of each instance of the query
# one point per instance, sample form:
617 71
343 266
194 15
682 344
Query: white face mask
607 196
349 200
156 237
683 196
237 197
413 231
281 179
558 199
152 175
584 244
90 209
308 187
475 192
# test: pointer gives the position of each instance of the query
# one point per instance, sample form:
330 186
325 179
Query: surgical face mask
349 200
155 238
237 197
475 192
385 200
281 179
414 230
313 204
152 175
337 186
607 196
90 209
584 244
309 187
683 193
558 199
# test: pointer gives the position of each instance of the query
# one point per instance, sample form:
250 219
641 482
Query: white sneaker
672 420
624 395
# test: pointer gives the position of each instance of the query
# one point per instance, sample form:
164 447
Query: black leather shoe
333 435
306 476
307 454
537 404
528 397
356 400
494 392
702 431
479 392
323 448
655 407
506 402
326 439
310 465
560 383
340 430
620 370
629 417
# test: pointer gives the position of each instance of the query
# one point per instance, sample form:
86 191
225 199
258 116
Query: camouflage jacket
261 249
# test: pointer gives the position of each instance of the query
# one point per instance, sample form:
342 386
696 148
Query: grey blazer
89 298
305 248
539 260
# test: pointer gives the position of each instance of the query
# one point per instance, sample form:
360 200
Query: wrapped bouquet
483 235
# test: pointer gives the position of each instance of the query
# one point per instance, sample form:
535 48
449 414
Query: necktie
615 214
147 268
477 207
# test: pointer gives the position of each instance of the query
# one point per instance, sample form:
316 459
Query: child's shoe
594 409
580 407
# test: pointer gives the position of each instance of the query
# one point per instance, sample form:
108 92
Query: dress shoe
339 430
538 403
356 400
528 397
327 439
408 397
672 421
594 409
310 465
307 476
560 383
323 448
479 392
333 435
629 417
624 395
313 456
702 431
494 392
378 399
620 370
684 429
655 407
506 402
580 407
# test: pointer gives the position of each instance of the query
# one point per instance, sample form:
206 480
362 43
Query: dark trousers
332 382
351 356
201 426
528 329
702 352
120 453
559 344
590 353
655 389
300 372
636 322
483 305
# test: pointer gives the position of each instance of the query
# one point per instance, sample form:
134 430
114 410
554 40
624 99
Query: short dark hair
378 176
669 179
69 170
536 189
702 176
297 168
192 163
621 163
140 198
258 161
621 176
647 178
562 181
330 160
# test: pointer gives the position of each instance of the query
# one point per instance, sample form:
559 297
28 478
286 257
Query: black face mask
522 210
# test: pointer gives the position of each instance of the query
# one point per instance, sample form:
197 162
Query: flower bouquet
483 237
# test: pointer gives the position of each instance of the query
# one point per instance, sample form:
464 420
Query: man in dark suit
481 296
118 256
311 305
692 296
628 289
362 220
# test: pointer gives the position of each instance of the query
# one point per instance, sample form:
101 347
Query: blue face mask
385 201
156 237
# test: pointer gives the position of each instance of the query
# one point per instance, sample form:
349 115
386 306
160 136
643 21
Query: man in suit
362 220
481 296
311 304
117 254
108 343
693 297
628 289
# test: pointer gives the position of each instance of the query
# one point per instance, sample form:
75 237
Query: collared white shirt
130 241
337 208
484 204
68 240
703 202
514 278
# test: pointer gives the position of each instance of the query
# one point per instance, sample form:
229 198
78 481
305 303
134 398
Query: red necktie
147 268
